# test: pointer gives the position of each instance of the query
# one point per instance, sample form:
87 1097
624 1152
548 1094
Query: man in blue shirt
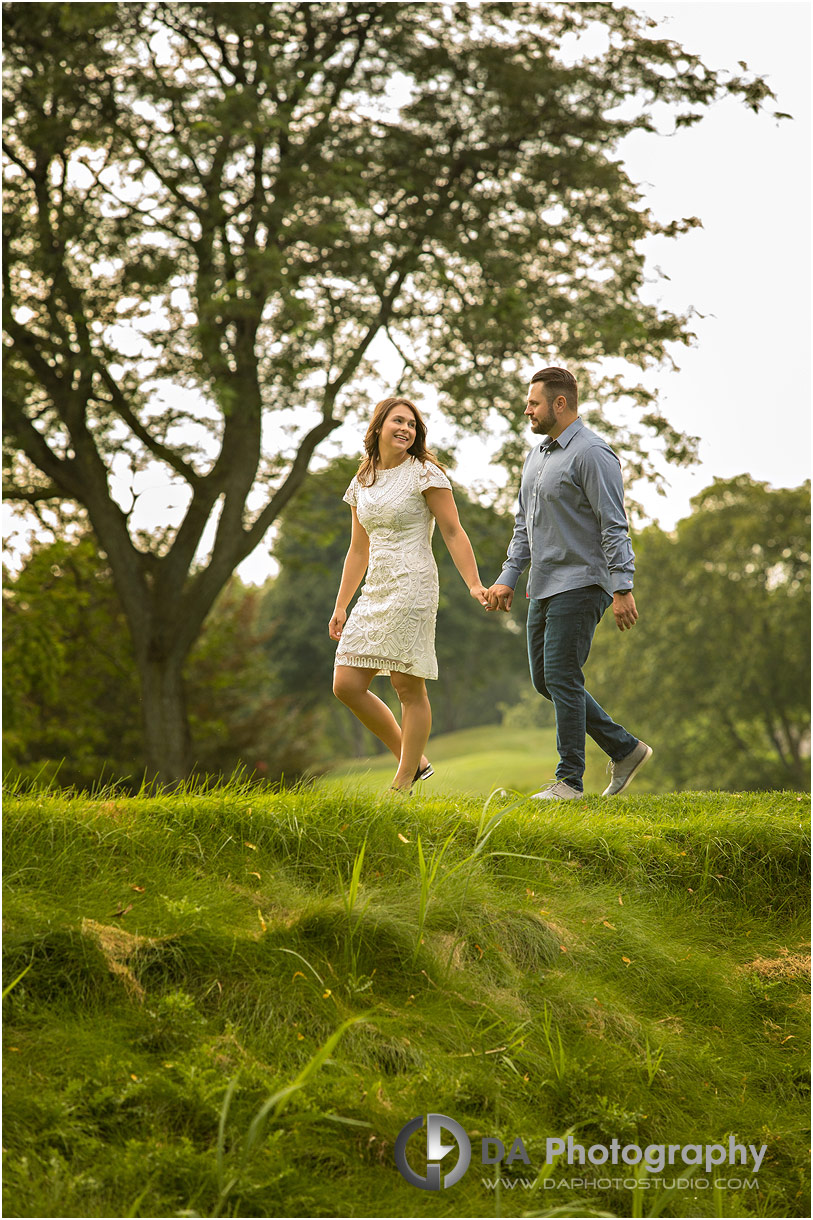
571 525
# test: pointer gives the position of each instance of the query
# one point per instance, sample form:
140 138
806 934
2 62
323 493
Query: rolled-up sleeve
604 488
519 549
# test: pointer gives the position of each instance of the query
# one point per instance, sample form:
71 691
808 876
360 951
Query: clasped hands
498 597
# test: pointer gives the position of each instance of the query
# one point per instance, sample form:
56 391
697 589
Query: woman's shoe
425 773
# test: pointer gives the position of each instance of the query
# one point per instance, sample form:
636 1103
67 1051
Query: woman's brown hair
369 465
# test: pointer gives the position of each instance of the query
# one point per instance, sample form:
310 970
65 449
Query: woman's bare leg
351 685
416 723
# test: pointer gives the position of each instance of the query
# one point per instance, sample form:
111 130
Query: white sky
744 387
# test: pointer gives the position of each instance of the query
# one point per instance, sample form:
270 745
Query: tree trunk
166 726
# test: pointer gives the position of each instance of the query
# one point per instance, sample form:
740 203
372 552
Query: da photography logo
435 1151
652 1159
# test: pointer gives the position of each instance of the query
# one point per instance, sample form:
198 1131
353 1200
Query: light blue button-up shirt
570 519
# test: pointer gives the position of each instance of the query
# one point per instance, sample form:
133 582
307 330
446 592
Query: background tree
70 686
70 690
238 721
717 675
226 204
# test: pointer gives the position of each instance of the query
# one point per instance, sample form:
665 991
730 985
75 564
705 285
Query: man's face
540 414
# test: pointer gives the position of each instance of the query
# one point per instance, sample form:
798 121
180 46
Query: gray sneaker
557 791
624 772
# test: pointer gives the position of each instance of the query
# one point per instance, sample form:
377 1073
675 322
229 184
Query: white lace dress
392 625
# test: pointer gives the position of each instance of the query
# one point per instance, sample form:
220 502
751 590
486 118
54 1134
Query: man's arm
501 593
604 488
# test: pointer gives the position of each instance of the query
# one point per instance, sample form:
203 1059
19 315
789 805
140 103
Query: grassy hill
231 1003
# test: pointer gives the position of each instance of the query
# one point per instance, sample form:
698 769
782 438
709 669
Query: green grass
476 761
233 1001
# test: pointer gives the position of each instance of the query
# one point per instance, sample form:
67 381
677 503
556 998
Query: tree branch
156 448
33 496
164 14
63 472
27 344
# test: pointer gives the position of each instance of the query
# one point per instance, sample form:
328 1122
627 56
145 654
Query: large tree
214 210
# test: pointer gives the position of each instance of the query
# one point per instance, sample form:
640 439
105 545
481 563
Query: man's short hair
556 382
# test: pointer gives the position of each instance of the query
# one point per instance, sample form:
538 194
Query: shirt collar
564 438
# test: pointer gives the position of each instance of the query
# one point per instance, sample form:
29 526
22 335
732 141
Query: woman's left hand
478 592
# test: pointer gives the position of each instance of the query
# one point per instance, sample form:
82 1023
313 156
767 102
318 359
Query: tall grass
229 1002
247 1149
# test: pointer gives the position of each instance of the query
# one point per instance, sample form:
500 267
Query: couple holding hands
570 525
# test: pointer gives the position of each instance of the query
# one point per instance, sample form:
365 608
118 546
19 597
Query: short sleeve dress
392 626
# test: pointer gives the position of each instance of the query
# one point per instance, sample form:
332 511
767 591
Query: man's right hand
500 597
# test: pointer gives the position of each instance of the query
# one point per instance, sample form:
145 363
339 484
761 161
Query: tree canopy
213 212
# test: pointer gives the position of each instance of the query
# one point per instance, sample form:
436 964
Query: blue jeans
560 632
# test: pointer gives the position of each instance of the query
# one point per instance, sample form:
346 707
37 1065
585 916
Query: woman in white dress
396 497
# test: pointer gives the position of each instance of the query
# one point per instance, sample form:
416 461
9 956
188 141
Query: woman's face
398 430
